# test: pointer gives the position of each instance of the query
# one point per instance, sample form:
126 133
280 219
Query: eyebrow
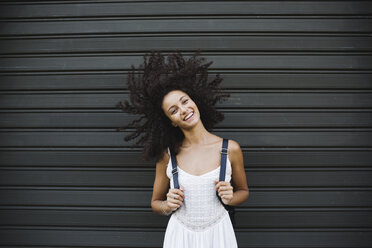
178 100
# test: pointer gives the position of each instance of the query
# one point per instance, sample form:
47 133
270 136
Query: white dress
201 221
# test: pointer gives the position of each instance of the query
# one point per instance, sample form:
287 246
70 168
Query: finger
172 195
173 206
225 193
218 185
226 187
176 197
227 197
174 191
223 188
175 201
221 183
178 192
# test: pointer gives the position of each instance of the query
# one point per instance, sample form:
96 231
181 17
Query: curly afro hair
148 89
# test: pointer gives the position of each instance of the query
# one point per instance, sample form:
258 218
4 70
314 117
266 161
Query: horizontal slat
42 10
145 178
154 238
228 61
254 158
148 219
237 119
82 238
185 43
266 80
238 99
189 25
107 81
111 197
264 138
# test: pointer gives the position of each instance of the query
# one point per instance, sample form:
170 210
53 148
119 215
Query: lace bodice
201 207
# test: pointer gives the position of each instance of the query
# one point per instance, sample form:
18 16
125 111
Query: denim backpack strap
223 159
174 171
230 209
223 164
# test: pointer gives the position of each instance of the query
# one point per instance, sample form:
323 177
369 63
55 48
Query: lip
192 116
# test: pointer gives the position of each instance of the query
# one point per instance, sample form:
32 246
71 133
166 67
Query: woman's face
180 109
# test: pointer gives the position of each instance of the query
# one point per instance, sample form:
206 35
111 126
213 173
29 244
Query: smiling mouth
191 114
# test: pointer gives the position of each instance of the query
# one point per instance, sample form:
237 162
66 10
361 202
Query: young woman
178 105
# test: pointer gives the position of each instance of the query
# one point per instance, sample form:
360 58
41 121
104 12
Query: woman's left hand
225 191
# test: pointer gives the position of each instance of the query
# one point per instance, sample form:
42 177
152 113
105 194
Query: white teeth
189 115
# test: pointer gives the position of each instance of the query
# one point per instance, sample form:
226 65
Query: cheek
174 118
194 106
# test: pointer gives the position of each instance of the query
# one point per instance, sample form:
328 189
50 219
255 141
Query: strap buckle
223 150
174 171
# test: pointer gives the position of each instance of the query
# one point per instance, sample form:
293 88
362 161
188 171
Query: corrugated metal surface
299 74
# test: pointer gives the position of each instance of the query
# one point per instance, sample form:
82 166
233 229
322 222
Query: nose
183 109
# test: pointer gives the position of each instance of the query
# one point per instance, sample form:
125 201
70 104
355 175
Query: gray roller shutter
299 74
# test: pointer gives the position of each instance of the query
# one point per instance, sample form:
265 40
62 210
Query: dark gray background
299 74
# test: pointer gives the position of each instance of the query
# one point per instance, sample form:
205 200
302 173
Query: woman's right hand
175 198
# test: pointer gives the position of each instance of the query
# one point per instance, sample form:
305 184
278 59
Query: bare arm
161 191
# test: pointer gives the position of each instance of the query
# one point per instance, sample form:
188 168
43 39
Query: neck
197 135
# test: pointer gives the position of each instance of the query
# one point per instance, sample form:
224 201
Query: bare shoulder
234 151
163 161
233 146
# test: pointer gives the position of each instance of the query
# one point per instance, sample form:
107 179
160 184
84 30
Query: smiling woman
155 79
178 105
